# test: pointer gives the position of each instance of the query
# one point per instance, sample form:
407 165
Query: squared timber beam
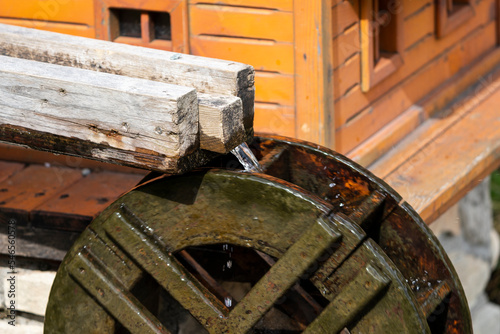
111 118
207 76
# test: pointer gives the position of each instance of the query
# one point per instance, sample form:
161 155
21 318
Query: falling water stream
247 158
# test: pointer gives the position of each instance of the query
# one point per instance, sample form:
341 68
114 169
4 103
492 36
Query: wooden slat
419 25
127 114
262 55
346 45
347 75
209 76
344 15
75 207
274 88
31 187
387 137
433 127
430 188
49 11
62 28
7 169
411 6
285 5
219 20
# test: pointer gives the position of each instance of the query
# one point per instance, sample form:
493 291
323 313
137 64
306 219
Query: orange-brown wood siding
264 34
428 62
75 17
259 33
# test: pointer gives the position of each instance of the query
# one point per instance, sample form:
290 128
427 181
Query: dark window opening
144 25
129 22
385 33
161 24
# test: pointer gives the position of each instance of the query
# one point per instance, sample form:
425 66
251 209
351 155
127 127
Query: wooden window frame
447 19
106 26
373 72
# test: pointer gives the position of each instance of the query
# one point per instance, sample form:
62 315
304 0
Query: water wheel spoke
205 277
352 300
86 269
273 157
281 277
431 298
367 211
307 297
166 270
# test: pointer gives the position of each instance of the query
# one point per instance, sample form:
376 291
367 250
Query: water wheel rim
126 217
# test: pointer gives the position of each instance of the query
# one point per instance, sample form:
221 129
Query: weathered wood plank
75 207
31 187
7 169
211 76
123 113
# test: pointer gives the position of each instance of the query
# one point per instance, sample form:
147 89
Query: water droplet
229 264
228 301
333 184
341 204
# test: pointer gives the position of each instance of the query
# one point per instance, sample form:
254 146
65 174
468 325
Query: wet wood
75 207
209 76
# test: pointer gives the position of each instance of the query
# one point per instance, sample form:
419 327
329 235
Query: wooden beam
221 128
109 114
210 76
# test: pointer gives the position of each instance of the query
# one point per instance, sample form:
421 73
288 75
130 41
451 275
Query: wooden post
313 71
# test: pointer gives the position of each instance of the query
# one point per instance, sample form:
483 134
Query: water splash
247 158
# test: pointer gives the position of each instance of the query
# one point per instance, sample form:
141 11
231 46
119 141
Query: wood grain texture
313 68
31 187
221 122
448 155
414 88
74 147
7 169
210 76
75 207
129 114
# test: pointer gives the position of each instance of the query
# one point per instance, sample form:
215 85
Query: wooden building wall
271 34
